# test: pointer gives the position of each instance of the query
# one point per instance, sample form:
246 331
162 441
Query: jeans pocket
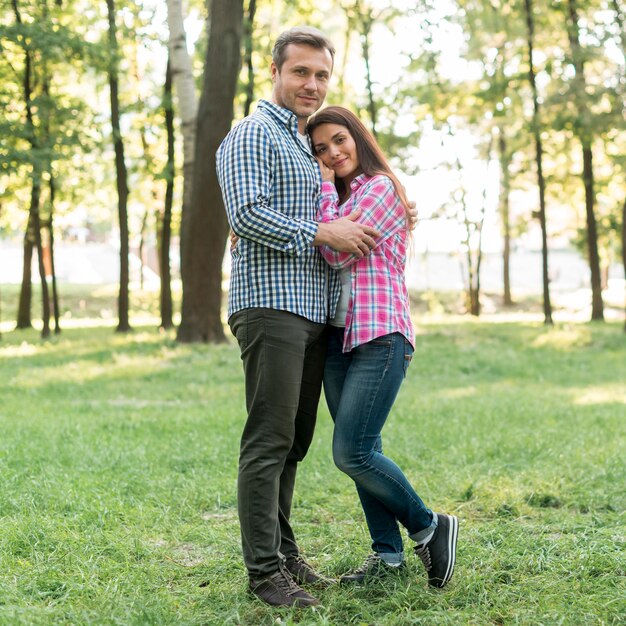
239 327
383 340
408 356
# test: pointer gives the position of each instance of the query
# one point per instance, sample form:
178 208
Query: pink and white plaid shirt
379 300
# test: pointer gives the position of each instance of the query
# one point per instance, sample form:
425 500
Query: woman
371 343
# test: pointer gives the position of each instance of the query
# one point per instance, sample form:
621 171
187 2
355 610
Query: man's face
302 82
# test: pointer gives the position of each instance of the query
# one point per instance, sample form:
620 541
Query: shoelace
424 553
301 563
370 562
284 581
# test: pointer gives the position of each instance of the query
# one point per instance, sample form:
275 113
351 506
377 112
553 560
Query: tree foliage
457 80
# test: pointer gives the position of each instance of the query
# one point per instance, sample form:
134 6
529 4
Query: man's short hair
303 35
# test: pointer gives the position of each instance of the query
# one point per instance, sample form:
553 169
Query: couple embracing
318 297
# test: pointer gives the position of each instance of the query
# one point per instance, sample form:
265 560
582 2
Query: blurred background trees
505 107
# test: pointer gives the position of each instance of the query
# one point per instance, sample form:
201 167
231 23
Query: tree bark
547 306
165 228
55 293
209 226
583 130
182 77
121 176
142 247
249 48
505 215
365 21
26 290
45 295
624 253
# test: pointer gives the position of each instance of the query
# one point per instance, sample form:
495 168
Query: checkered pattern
270 183
379 302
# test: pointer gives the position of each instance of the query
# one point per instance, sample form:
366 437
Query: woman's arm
380 208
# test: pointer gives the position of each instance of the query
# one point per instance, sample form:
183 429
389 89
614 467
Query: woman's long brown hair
371 158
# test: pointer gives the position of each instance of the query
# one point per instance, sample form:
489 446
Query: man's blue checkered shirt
270 183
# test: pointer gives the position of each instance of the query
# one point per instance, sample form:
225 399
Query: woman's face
334 145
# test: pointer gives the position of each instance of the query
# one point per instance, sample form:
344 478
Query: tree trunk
26 290
547 306
619 19
121 176
624 253
45 295
182 76
209 226
142 248
249 44
505 215
597 305
366 21
164 235
0 293
583 130
55 294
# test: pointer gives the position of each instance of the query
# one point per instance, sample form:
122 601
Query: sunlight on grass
118 457
22 349
602 394
82 371
458 392
564 338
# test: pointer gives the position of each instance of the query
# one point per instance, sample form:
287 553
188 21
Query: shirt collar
361 179
282 115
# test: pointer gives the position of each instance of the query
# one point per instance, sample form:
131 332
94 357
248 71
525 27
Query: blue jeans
360 388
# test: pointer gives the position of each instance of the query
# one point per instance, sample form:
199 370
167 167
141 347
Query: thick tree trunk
547 306
209 226
121 177
249 47
182 76
165 228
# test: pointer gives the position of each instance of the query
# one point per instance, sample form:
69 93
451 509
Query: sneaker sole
453 533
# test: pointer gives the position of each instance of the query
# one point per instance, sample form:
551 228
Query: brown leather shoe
279 589
303 573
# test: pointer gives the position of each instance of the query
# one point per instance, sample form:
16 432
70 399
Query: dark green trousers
283 360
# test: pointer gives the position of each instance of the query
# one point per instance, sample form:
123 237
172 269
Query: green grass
118 458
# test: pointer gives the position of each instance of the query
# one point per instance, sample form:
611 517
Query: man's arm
245 169
346 235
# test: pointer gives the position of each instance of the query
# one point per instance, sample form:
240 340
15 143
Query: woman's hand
233 240
327 173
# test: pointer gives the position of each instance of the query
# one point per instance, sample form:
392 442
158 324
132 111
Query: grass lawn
118 458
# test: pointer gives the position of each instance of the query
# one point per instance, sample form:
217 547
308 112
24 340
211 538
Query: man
281 294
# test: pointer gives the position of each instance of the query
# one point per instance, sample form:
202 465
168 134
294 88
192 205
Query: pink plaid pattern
379 301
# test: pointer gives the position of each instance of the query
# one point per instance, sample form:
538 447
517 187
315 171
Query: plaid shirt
379 300
270 183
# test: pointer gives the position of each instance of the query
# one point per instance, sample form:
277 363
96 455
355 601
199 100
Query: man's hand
347 235
412 215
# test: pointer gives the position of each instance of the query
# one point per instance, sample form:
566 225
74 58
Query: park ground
118 459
